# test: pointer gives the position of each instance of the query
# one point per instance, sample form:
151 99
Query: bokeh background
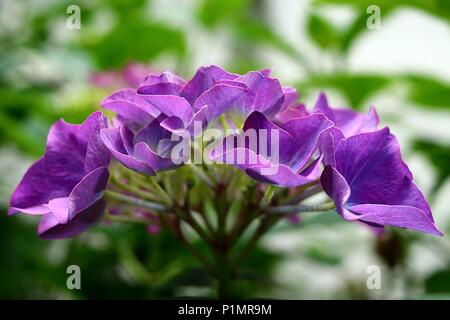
48 71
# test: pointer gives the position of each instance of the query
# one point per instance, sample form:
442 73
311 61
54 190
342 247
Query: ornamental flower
66 185
370 183
282 156
257 126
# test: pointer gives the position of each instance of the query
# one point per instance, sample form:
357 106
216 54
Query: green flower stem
176 228
305 194
122 218
136 202
265 224
268 195
130 188
201 174
294 209
160 191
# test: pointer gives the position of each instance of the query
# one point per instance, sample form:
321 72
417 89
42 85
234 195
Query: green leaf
323 256
355 87
323 33
213 12
137 40
438 8
427 91
438 282
439 156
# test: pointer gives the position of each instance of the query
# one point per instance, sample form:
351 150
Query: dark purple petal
97 155
51 228
336 187
372 165
35 189
306 133
87 191
153 134
264 130
328 143
63 161
143 153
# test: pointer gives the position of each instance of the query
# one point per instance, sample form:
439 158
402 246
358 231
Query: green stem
135 201
120 218
294 209
265 224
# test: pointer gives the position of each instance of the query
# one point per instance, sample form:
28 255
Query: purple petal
89 190
50 228
296 111
35 189
63 161
398 216
328 143
97 155
336 187
113 141
214 102
372 165
306 133
265 131
171 106
59 207
290 97
167 83
281 175
348 121
132 109
143 153
203 80
152 134
264 95
410 195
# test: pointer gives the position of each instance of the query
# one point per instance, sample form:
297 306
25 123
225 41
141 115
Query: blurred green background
48 71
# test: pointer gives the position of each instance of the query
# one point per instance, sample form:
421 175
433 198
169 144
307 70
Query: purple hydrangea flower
66 185
297 141
146 151
370 183
139 139
166 105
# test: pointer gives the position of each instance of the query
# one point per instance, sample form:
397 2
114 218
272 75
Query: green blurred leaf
322 255
438 8
355 87
427 91
439 156
213 12
137 40
438 282
323 33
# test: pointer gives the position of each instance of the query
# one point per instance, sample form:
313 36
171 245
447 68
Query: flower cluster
340 151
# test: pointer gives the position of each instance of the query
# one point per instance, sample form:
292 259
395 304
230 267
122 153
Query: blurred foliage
37 86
